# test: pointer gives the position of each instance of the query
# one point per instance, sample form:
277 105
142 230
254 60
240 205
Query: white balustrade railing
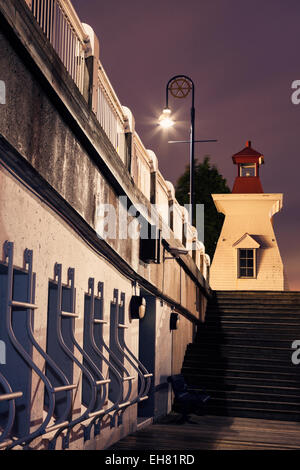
143 166
61 25
110 113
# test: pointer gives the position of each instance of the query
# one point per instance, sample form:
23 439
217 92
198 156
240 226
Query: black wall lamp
174 321
175 252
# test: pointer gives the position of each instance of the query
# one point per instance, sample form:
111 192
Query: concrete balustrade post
92 66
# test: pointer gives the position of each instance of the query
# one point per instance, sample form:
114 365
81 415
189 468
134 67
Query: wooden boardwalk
214 433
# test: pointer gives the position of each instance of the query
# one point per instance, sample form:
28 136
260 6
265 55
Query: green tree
208 181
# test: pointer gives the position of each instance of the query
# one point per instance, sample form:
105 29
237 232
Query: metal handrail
10 396
115 365
100 412
70 354
28 260
113 356
8 253
144 375
128 355
116 373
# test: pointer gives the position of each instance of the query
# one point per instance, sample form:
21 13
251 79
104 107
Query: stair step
253 396
294 300
268 308
255 299
263 304
253 317
254 310
205 380
253 389
253 413
281 332
237 365
214 356
219 320
248 322
254 404
238 338
244 341
229 385
268 375
256 294
242 349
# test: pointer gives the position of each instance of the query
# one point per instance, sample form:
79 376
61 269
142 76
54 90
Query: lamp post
180 86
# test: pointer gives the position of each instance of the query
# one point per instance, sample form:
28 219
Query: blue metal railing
118 327
95 344
10 397
144 375
92 374
101 396
25 307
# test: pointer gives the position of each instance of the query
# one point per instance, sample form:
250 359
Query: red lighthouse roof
247 152
248 161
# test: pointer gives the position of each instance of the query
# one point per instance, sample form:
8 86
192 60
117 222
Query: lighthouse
247 256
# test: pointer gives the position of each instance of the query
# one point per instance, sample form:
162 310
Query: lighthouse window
246 263
248 169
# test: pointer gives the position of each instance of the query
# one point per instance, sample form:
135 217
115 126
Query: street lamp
179 87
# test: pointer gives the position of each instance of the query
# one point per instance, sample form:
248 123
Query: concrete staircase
242 355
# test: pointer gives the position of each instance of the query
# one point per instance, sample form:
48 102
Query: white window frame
239 266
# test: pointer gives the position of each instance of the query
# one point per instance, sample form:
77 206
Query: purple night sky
242 56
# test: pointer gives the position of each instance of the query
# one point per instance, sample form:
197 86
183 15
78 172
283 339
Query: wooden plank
214 433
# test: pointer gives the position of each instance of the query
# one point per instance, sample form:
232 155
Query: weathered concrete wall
32 124
48 132
48 143
36 227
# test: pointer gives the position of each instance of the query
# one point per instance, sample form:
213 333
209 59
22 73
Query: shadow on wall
205 366
162 397
264 245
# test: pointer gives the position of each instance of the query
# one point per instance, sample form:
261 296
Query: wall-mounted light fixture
174 321
175 252
137 307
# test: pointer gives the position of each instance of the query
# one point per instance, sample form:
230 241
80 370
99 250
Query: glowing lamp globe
165 119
